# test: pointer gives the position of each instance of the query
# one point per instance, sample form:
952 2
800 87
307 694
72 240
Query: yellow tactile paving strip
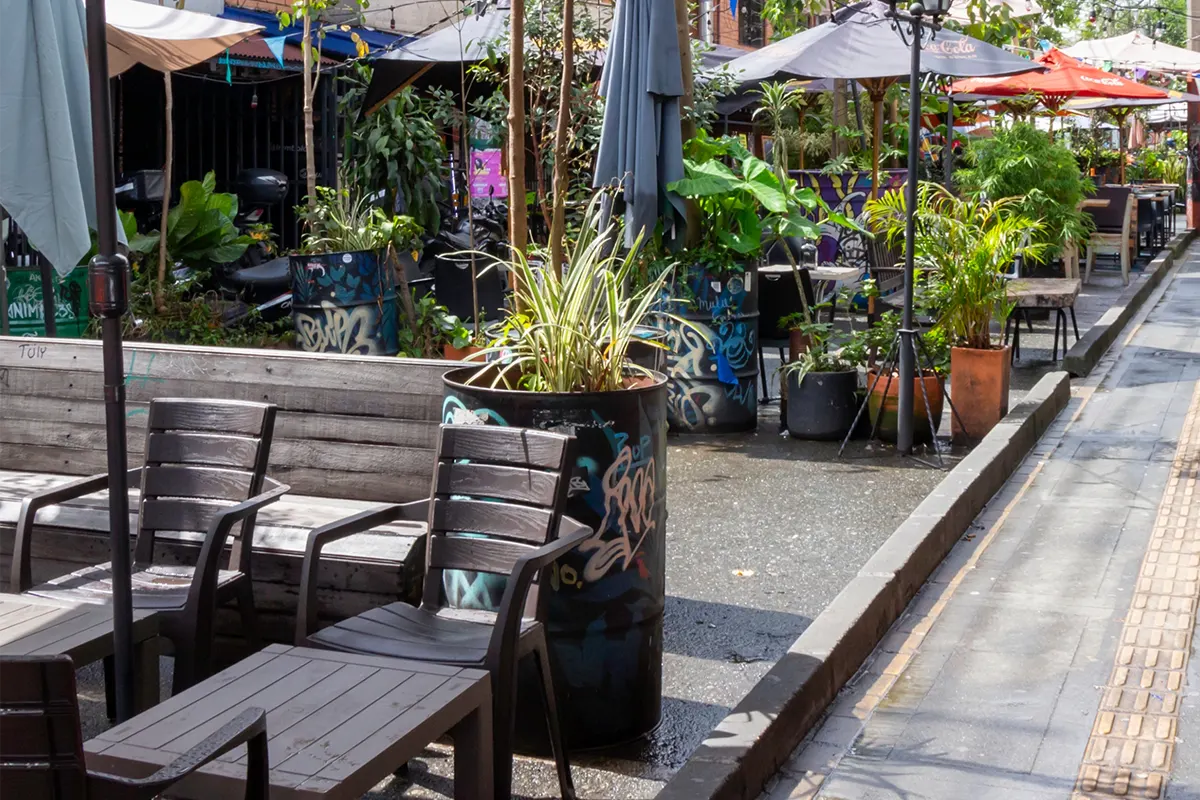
1133 738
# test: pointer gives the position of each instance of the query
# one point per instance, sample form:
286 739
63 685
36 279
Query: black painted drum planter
345 303
605 607
713 386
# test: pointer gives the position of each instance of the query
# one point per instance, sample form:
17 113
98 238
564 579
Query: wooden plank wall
355 427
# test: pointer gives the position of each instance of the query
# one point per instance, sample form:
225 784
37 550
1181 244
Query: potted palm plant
966 245
344 297
563 363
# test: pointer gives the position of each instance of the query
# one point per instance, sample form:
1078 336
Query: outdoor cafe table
36 626
338 724
1057 294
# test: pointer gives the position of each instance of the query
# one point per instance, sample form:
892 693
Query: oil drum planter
606 599
345 303
713 385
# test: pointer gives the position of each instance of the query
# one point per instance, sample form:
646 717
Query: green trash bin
25 310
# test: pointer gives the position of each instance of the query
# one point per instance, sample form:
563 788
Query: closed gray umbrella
46 181
641 146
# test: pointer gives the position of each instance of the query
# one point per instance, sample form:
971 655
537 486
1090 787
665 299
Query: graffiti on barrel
712 383
345 303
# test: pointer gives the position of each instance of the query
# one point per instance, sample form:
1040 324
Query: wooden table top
823 273
1044 292
31 626
339 723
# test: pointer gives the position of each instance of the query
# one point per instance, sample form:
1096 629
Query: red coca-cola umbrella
1065 78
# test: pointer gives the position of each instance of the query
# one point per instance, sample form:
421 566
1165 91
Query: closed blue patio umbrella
641 145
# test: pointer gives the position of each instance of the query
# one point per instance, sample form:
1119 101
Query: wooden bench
351 432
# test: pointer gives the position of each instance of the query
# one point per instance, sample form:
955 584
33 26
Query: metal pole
904 433
948 153
108 289
46 274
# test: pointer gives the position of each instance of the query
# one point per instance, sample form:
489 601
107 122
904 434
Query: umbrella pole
904 432
876 133
948 153
108 288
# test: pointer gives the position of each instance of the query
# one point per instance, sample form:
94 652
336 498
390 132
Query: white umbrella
164 38
961 12
1132 50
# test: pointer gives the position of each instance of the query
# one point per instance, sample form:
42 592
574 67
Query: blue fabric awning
337 44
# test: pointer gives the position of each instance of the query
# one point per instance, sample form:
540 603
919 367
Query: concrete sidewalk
1050 656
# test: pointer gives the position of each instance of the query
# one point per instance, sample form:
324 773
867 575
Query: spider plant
575 326
966 245
339 222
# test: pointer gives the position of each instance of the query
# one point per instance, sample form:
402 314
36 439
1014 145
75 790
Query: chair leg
1028 319
1125 264
1074 324
762 374
504 721
110 688
245 602
558 744
1088 260
1058 319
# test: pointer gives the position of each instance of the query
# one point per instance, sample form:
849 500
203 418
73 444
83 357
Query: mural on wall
345 303
846 192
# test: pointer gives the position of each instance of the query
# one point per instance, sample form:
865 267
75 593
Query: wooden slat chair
41 745
1113 228
496 507
205 470
885 265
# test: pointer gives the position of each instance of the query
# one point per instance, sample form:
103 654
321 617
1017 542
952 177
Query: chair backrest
1112 216
497 494
885 261
41 747
202 456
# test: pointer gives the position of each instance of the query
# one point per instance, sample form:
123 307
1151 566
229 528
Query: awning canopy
164 38
1133 50
337 43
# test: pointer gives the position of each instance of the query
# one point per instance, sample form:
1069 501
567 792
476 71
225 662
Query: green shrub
1022 162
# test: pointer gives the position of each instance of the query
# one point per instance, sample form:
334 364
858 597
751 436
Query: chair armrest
249 728
306 614
202 593
572 532
21 578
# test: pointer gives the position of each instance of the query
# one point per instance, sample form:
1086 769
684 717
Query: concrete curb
1087 352
759 735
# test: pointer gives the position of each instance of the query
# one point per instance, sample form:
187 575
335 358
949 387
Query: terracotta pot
979 388
886 397
452 353
798 344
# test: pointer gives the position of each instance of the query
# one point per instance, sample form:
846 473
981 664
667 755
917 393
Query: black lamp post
920 19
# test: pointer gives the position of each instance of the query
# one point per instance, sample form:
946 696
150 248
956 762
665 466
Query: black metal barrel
345 303
606 598
713 385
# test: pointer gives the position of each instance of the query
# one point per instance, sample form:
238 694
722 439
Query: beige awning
165 39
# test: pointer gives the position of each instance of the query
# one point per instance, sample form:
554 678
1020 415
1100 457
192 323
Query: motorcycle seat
273 272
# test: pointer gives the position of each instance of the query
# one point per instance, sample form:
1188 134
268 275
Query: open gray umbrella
860 43
641 146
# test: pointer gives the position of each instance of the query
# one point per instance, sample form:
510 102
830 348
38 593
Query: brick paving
1050 654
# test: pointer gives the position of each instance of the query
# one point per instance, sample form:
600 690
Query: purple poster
487 178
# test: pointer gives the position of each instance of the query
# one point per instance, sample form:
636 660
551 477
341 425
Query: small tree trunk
839 118
160 300
558 225
518 224
687 123
310 157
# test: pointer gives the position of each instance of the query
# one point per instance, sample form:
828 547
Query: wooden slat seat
448 636
156 587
